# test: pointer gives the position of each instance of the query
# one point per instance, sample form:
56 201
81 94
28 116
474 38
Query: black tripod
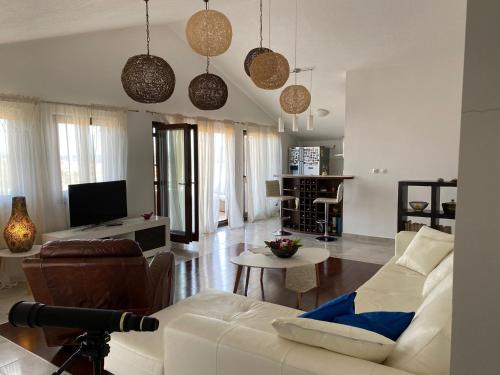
94 345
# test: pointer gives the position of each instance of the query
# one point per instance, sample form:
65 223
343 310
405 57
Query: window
80 152
89 150
5 188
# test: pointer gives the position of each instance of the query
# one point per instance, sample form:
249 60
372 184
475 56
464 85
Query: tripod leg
68 361
97 366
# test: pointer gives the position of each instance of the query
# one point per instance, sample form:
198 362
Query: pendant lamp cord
269 29
296 33
260 31
206 28
147 25
310 91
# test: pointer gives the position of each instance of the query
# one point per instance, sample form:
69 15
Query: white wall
405 119
140 177
476 298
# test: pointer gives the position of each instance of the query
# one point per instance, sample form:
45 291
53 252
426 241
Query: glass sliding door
176 178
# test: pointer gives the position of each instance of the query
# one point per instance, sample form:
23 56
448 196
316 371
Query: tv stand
153 235
115 224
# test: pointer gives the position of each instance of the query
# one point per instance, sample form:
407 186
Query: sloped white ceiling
335 36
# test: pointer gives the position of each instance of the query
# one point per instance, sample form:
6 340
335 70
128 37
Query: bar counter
300 215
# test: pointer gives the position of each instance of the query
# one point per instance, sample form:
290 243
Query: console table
306 189
153 235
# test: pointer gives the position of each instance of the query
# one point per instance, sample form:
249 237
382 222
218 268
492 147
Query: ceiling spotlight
321 112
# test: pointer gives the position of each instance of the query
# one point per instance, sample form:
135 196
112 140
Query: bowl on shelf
283 248
449 207
418 206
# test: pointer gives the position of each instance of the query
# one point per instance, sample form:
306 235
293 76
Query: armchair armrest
163 280
195 344
403 239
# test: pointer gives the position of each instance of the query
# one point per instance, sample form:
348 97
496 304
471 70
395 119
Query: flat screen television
97 203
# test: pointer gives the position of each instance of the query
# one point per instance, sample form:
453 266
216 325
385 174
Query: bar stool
273 191
328 201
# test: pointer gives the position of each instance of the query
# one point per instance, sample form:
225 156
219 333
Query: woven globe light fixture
251 57
256 51
147 78
270 71
295 99
209 32
208 92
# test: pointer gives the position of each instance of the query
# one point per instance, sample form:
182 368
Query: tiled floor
15 360
365 249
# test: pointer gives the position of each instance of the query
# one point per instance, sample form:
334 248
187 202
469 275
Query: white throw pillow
438 274
424 347
340 338
426 250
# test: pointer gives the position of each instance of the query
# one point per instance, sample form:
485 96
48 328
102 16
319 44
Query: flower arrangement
284 248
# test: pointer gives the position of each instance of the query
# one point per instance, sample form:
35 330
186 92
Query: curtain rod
209 119
97 106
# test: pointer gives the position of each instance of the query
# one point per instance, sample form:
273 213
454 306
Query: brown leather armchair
102 274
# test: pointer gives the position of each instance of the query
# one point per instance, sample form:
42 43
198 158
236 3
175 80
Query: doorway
176 178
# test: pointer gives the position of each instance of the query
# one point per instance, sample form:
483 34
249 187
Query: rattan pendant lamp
148 78
295 99
269 70
256 51
209 32
207 91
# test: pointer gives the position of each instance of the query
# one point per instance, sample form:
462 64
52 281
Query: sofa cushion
340 338
426 250
438 274
424 348
392 288
342 305
390 324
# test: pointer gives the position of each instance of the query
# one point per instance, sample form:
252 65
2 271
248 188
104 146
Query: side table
5 279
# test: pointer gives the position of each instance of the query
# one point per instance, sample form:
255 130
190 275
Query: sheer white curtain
217 174
233 209
263 155
78 151
21 161
208 194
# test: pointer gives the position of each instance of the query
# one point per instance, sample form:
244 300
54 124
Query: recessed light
321 112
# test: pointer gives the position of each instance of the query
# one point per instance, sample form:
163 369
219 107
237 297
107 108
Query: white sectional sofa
219 333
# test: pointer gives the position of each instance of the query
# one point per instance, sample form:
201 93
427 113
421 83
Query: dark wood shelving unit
307 188
434 213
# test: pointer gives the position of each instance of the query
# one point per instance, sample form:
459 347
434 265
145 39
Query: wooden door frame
191 234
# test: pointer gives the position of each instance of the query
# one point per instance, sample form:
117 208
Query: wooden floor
337 276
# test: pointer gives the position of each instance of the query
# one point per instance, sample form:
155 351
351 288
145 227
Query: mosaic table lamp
20 232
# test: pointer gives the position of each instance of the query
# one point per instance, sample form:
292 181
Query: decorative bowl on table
418 205
283 248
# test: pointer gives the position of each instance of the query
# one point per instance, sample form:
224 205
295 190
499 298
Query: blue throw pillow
343 305
386 323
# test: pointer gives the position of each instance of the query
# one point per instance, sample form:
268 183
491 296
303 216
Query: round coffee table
5 281
263 258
